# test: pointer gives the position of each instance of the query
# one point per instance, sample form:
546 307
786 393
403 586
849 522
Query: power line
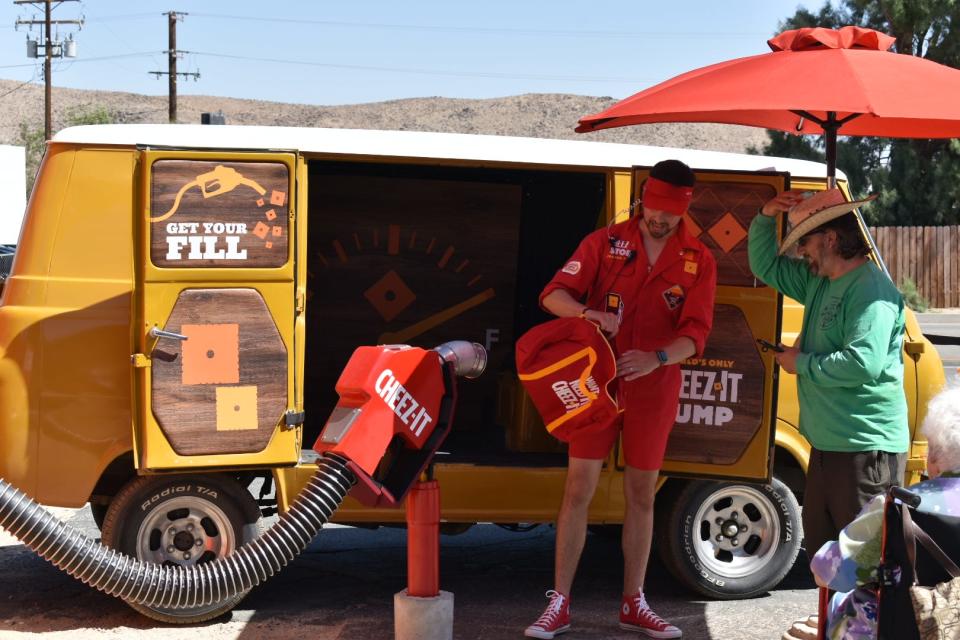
20 86
128 16
466 74
491 30
117 36
96 59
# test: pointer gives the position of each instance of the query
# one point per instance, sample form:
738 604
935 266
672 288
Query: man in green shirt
847 359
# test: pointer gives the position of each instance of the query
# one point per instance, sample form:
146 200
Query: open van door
216 304
725 423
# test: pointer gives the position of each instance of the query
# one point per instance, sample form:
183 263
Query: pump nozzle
469 359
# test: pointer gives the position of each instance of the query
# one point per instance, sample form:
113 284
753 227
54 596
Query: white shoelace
550 615
640 602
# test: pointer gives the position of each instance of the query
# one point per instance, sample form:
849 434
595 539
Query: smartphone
769 345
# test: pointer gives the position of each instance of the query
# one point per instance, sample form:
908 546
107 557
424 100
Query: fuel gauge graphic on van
394 260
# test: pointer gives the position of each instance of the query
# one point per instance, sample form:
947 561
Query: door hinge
140 361
301 302
293 418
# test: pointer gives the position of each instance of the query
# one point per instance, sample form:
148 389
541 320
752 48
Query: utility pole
172 54
51 49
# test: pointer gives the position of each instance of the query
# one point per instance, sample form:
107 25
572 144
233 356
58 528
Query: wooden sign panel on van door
219 214
224 389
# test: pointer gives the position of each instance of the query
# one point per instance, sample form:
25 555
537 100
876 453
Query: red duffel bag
569 370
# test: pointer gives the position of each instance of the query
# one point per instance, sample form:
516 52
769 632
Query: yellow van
283 249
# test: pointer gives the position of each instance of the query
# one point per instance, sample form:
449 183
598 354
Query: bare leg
582 478
639 488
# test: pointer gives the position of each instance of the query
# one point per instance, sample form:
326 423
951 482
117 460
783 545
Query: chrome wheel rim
185 531
736 531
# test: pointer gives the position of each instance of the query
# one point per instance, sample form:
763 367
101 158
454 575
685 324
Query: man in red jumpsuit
650 286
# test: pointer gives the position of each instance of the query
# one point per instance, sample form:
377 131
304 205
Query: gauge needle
404 335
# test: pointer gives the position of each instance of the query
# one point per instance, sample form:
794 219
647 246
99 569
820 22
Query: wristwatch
662 357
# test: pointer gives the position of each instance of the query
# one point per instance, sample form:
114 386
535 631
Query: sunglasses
803 239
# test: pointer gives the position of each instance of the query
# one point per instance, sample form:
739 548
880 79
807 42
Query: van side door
215 308
725 422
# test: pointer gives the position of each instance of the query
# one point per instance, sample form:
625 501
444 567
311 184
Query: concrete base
423 618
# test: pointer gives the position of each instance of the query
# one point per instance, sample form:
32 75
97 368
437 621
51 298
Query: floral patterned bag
937 609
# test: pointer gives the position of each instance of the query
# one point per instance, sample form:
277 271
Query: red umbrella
815 81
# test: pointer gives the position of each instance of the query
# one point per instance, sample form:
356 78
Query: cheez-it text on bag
567 366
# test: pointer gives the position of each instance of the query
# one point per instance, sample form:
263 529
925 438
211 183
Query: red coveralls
657 304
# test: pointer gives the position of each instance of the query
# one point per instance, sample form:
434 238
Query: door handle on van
160 333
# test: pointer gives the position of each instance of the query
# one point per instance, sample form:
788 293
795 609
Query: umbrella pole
830 128
830 132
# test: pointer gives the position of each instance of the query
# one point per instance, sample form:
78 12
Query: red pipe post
423 540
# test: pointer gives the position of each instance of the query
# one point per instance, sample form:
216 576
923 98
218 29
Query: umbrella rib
850 117
825 123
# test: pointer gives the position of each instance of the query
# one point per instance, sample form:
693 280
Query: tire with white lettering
181 520
729 540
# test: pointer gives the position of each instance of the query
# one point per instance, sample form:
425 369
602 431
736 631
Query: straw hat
819 208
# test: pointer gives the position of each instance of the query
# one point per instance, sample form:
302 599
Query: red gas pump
395 409
400 400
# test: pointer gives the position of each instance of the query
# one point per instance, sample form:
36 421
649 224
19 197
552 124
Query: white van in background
13 186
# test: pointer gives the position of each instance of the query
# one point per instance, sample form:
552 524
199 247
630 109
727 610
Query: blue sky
322 52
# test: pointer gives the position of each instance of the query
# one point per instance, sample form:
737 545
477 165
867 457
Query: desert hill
533 115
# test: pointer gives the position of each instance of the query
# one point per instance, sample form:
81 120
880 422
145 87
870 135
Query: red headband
664 196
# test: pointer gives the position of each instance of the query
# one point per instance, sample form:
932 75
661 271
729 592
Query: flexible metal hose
178 587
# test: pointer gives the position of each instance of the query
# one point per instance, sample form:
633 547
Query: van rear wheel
730 540
181 520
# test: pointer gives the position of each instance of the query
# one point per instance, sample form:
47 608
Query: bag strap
911 533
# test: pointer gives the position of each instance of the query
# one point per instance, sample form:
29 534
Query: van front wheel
729 540
181 520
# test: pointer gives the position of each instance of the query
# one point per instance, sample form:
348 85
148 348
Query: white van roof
419 144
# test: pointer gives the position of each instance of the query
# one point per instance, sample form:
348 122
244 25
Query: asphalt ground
342 587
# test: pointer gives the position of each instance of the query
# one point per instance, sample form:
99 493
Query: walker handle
905 496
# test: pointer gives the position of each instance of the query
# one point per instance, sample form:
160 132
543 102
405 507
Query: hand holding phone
769 346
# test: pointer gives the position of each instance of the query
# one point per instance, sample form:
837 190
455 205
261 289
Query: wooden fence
930 256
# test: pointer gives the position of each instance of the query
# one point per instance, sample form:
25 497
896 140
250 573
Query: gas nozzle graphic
217 182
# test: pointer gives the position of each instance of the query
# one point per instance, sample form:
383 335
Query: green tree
32 139
917 181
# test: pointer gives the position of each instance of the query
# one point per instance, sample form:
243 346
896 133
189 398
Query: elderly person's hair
942 429
850 242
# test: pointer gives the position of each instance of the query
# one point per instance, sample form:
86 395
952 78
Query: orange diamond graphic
692 227
728 232
389 296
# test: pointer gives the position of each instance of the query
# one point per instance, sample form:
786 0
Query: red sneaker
555 619
636 615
